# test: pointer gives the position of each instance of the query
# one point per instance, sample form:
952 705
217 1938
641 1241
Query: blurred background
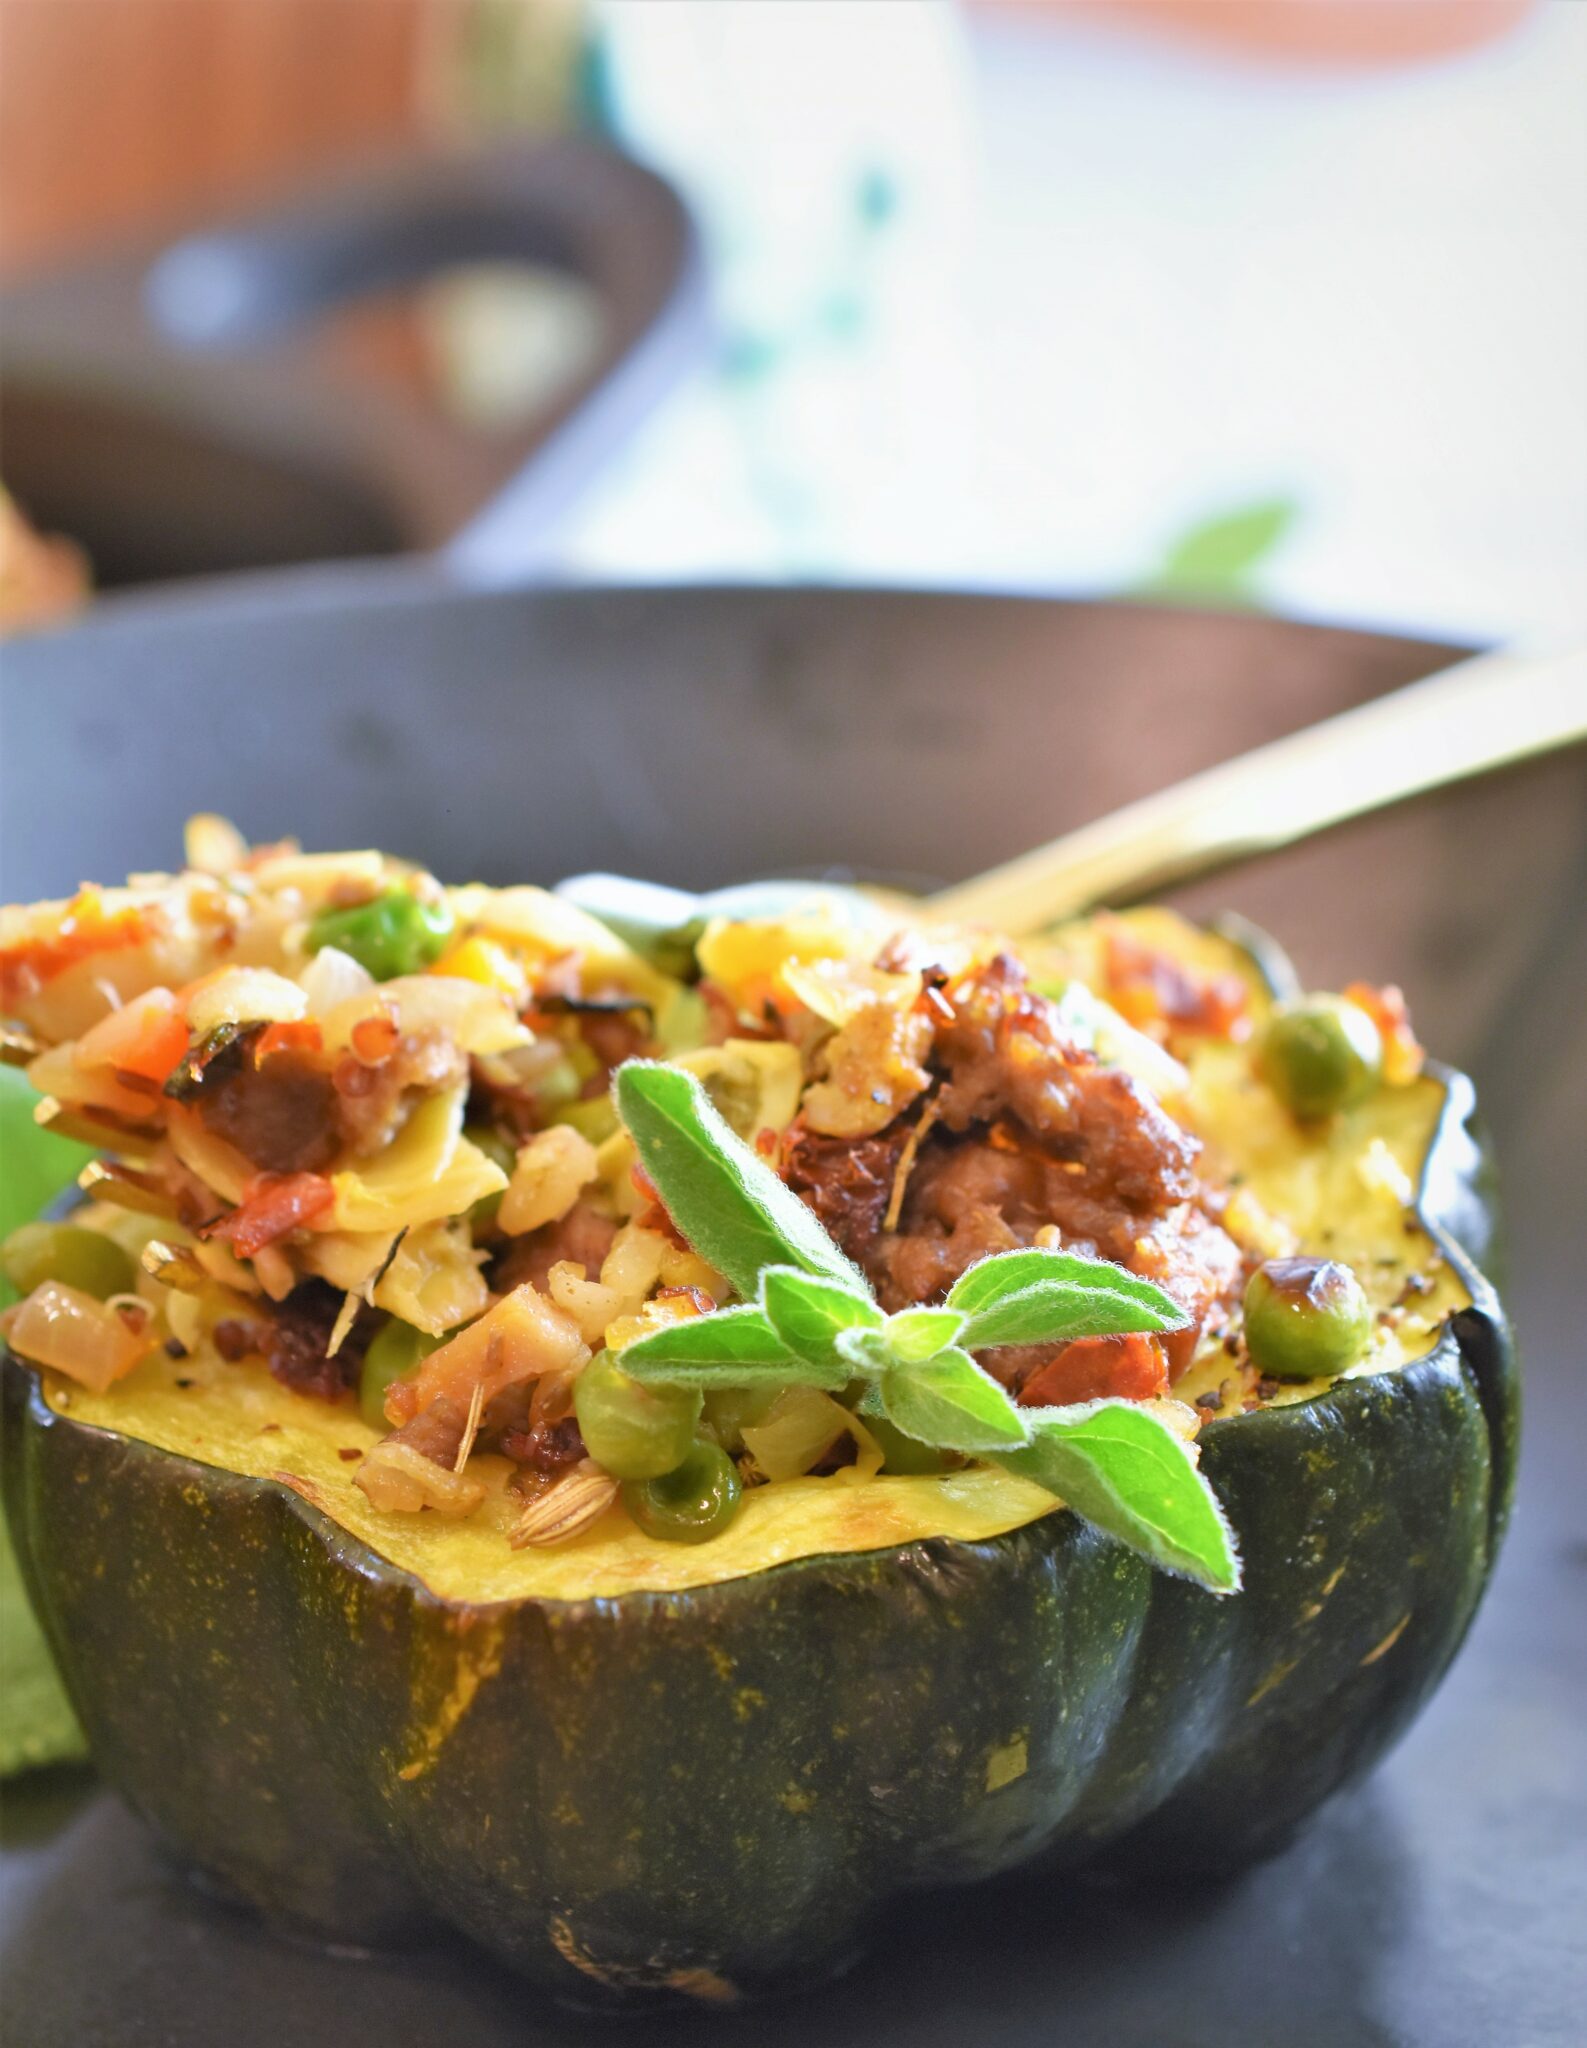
1265 302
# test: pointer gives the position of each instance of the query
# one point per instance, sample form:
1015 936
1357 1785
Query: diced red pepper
271 1206
145 1040
304 1035
1130 1368
1402 1053
1157 994
85 928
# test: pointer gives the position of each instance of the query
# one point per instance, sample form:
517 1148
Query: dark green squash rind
671 1795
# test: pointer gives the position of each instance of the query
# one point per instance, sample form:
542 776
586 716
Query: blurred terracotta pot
116 111
1316 31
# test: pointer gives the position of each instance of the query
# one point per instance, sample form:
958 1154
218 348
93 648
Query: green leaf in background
1123 1468
36 1724
809 1315
950 1403
1049 1297
728 1203
730 1347
1216 560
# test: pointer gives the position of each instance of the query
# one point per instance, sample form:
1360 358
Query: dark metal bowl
700 735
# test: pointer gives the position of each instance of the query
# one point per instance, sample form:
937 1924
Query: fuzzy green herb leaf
916 1334
729 1204
734 1347
1049 1297
809 1315
867 1353
1123 1468
951 1403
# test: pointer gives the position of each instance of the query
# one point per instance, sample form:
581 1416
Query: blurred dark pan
307 383
698 736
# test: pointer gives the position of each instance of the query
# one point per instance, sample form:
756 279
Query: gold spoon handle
1480 715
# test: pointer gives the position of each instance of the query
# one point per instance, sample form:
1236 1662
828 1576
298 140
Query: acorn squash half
638 1771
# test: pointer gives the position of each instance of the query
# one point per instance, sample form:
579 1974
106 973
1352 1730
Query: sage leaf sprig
808 1317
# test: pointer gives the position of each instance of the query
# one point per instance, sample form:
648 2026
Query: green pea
500 1152
690 1504
729 1411
557 1086
1305 1319
393 933
901 1453
394 1352
85 1259
594 1118
636 1432
1321 1054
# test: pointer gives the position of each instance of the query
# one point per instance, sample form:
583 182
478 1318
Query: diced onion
212 844
74 1334
552 1171
591 1305
331 978
243 995
477 1018
801 1427
401 1480
602 1308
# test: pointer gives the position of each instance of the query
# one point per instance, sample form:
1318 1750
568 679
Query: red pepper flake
654 1215
272 1205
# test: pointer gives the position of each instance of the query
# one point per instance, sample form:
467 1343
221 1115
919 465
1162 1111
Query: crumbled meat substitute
1028 1133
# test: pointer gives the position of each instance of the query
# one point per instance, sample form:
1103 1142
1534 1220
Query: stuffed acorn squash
641 1445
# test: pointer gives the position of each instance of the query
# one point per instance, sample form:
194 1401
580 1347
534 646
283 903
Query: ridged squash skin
706 1795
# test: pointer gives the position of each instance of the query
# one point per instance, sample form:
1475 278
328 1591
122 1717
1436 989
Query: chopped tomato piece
271 1206
1131 1368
